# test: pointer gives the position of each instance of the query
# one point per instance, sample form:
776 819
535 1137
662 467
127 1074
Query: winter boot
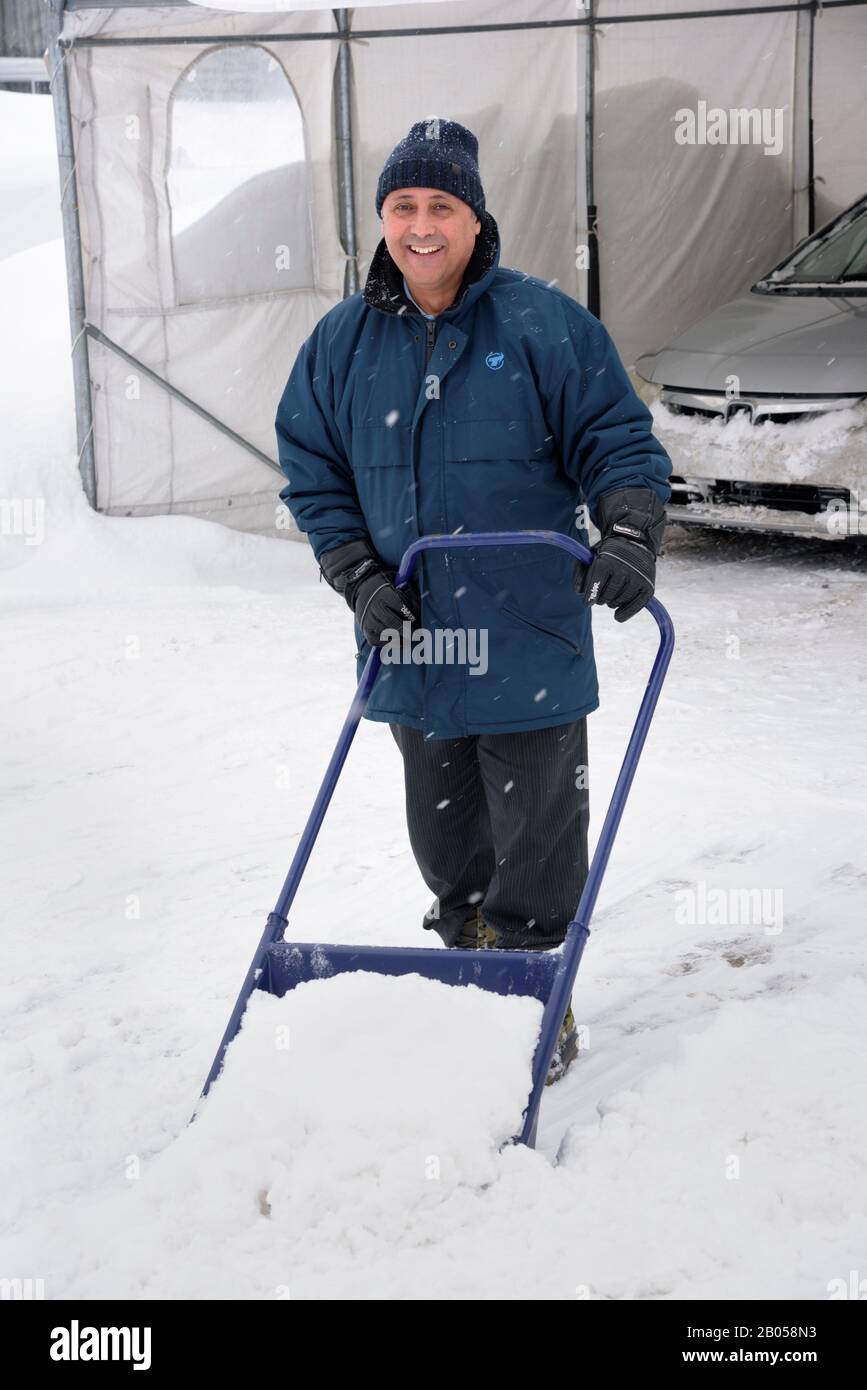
566 1050
477 935
474 935
567 1040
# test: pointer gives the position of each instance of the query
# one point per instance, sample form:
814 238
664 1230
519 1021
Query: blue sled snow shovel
279 965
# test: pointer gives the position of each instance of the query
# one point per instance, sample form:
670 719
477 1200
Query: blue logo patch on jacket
495 360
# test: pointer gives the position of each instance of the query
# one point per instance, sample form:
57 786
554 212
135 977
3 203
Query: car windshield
837 257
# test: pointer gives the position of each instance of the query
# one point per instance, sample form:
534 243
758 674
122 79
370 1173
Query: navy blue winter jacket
507 411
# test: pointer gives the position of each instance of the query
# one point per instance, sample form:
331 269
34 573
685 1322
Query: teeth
425 250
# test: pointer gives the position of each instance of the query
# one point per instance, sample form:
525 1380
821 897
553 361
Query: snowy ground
171 694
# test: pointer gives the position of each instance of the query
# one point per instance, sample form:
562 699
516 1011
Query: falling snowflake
441 805
540 694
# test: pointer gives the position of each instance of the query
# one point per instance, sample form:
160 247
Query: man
453 395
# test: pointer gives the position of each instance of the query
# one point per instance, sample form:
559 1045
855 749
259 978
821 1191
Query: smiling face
430 236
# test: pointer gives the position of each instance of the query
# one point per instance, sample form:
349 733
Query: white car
762 405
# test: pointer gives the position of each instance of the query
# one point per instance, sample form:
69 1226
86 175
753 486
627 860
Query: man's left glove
356 571
623 571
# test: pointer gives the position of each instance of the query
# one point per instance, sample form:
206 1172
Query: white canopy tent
219 167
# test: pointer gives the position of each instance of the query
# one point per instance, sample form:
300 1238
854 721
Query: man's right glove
623 571
356 571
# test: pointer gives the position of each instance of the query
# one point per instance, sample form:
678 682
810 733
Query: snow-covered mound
350 1149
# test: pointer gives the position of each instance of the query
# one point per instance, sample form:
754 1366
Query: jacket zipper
430 327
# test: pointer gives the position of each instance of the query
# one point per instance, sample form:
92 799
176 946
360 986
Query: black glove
356 571
623 570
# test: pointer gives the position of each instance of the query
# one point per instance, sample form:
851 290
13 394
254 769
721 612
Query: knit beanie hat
436 154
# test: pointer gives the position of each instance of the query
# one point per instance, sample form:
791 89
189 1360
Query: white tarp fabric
685 226
840 110
215 288
276 6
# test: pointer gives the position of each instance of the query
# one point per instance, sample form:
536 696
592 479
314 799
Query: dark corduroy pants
500 821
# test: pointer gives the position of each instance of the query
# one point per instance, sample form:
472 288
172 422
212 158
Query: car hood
776 343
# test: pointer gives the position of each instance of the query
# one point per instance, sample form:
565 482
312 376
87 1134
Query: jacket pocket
381 446
552 632
493 440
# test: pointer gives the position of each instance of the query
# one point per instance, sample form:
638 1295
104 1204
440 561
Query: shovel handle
365 685
570 952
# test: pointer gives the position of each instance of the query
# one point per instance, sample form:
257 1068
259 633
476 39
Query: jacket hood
383 288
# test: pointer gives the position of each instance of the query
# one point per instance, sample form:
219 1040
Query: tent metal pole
345 177
811 171
93 332
593 295
364 35
581 234
56 59
802 128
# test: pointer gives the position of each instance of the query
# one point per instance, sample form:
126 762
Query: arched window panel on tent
238 179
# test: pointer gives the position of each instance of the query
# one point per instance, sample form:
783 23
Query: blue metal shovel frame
279 965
